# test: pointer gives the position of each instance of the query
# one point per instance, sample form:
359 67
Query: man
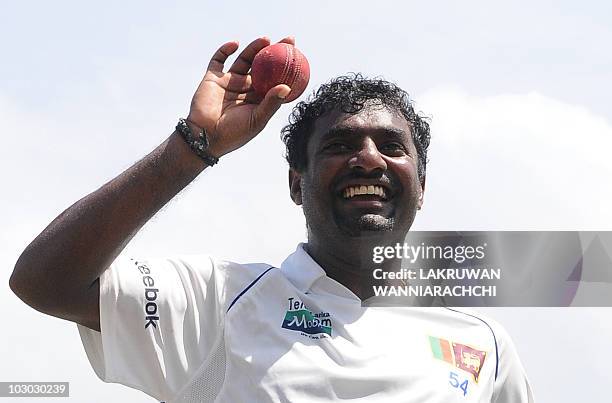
193 328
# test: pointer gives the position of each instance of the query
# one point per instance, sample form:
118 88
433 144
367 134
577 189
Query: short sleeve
511 384
159 320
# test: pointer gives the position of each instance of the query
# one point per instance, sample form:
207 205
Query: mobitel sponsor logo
301 319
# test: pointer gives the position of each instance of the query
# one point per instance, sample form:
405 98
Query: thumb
270 104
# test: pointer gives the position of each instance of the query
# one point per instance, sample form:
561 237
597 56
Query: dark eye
393 149
336 147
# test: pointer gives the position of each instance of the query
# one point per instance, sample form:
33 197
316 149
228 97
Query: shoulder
183 276
196 266
231 279
463 326
499 334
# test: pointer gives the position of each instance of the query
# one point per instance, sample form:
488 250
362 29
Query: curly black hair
350 94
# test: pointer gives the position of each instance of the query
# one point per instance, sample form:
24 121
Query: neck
349 261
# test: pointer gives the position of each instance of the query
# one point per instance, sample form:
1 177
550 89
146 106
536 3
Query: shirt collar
301 269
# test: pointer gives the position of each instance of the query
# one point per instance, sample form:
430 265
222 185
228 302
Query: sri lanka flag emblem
458 355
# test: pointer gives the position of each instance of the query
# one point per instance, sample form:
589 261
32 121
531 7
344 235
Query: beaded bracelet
199 145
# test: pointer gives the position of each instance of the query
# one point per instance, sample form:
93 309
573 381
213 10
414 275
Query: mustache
382 177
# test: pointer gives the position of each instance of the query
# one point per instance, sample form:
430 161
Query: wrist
187 161
197 140
213 147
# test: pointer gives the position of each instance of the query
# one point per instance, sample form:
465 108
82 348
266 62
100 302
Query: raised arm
58 273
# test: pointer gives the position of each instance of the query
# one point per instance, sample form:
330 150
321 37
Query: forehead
370 120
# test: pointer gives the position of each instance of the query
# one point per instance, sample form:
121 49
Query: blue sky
518 93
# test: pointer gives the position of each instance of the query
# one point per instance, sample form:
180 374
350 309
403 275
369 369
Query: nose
367 158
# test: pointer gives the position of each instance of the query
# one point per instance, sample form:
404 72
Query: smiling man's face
361 175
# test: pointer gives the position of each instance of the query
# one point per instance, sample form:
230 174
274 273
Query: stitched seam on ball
287 66
298 71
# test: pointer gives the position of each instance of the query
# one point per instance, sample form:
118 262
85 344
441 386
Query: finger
253 97
289 39
269 105
239 84
242 64
221 55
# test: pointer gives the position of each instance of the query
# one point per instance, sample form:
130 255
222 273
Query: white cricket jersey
194 329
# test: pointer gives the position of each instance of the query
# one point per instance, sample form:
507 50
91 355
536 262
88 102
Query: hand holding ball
280 63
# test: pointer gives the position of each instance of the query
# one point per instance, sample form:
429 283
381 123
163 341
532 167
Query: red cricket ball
280 63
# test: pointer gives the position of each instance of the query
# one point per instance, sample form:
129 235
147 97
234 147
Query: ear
421 193
295 186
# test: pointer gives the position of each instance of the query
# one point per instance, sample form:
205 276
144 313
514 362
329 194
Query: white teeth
352 191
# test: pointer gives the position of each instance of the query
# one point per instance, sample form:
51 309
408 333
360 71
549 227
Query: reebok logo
150 294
